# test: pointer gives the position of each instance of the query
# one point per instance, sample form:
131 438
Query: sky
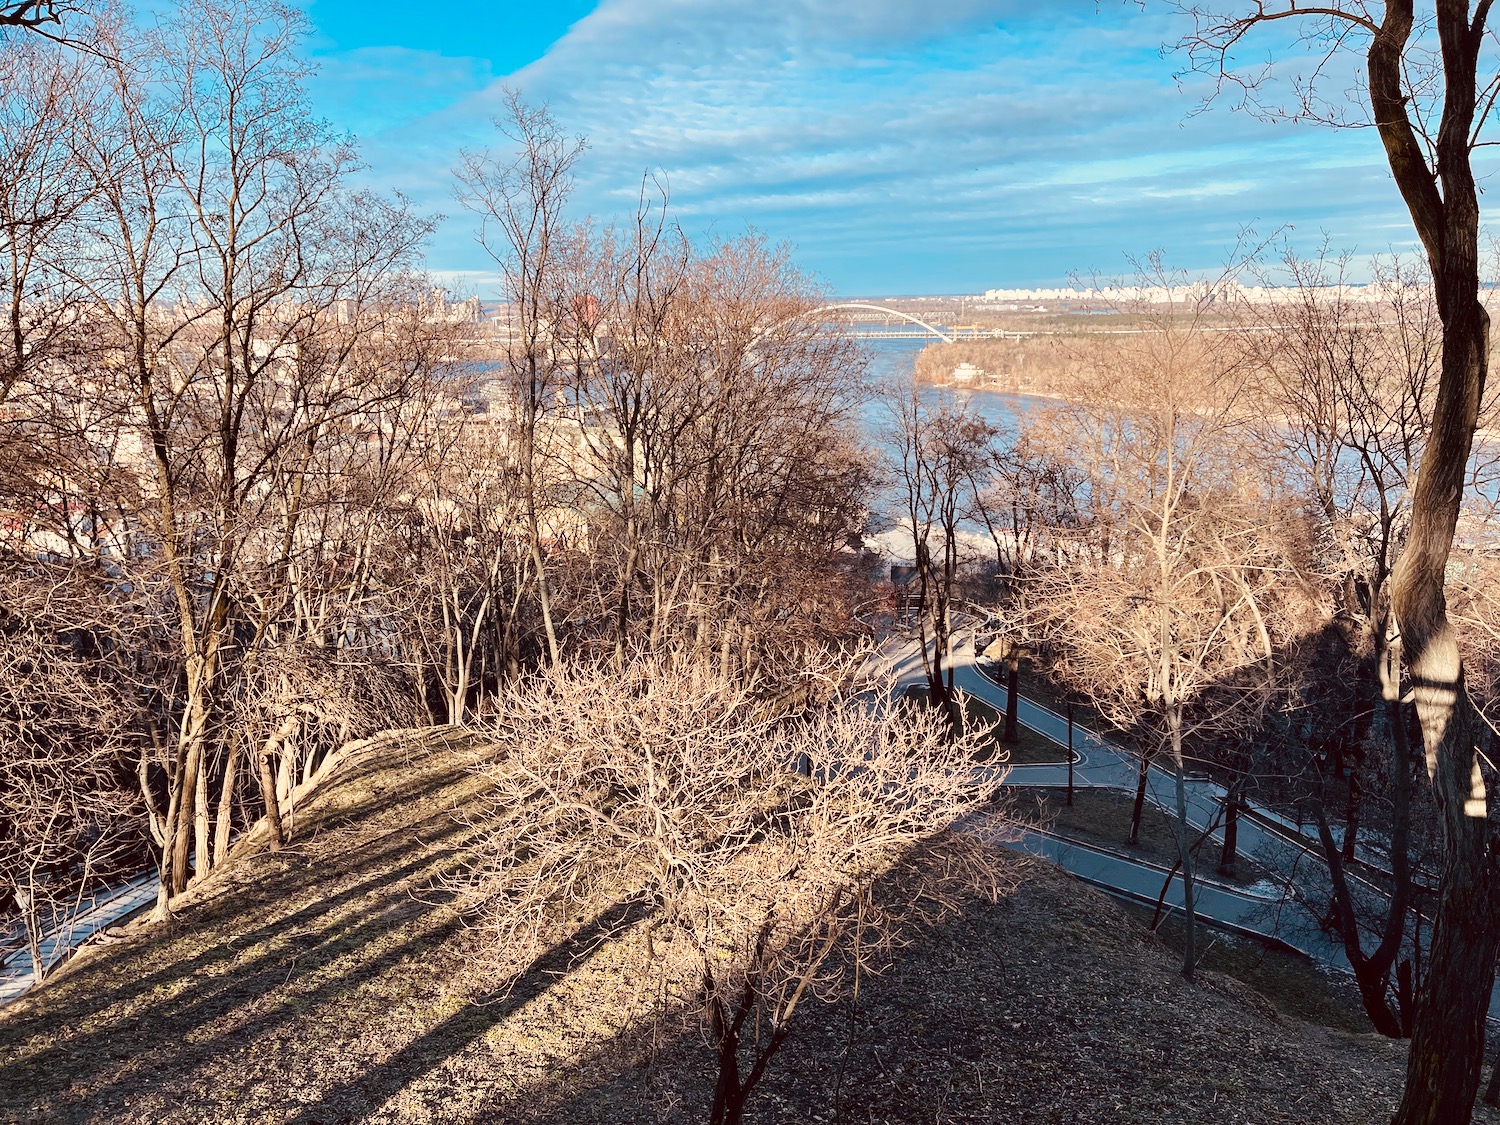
900 147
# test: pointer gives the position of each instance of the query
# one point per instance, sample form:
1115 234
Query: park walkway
96 913
1273 910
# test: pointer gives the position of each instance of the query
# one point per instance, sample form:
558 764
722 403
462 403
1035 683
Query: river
893 360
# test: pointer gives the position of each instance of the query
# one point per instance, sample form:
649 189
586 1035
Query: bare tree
44 94
1170 620
1428 88
1030 499
717 456
520 200
946 453
240 298
750 840
1349 386
64 814
628 283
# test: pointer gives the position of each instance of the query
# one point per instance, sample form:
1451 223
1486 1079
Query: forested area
263 499
260 501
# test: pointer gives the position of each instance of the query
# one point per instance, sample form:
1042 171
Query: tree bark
1230 853
1447 1050
1184 852
268 795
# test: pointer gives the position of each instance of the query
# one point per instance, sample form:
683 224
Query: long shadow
182 1055
372 1089
256 899
218 980
264 892
203 999
960 1013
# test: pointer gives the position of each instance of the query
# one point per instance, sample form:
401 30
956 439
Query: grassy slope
331 983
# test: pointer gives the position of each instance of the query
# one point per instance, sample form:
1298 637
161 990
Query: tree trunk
729 1097
1140 801
1230 853
1447 1051
1012 700
1372 974
268 780
1185 852
1351 816
182 828
1447 1048
223 823
202 848
1070 754
268 795
1448 1034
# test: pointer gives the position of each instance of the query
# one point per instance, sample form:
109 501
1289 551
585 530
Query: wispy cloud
903 147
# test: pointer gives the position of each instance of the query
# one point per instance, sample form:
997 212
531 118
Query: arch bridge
946 337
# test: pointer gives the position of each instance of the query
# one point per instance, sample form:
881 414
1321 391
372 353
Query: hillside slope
331 983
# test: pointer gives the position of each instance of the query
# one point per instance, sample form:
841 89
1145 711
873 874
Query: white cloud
905 146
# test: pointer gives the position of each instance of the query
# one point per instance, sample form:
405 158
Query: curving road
1270 911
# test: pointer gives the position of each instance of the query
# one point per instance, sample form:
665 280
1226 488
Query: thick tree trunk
1447 1049
1448 1034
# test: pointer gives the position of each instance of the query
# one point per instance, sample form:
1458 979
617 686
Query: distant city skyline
951 147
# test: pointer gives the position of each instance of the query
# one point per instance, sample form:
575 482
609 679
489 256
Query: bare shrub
746 842
63 811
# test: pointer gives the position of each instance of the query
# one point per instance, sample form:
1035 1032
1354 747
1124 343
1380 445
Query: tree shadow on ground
339 984
271 937
1052 1005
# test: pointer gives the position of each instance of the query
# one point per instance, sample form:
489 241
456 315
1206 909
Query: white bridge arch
938 332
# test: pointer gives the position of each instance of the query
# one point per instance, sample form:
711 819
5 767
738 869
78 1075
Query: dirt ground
334 982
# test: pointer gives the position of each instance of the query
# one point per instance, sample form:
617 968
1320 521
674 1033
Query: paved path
1270 910
96 914
1255 911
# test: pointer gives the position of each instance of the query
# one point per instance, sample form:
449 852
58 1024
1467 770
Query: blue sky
902 147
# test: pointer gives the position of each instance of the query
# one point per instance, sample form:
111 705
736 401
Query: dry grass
979 718
331 983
